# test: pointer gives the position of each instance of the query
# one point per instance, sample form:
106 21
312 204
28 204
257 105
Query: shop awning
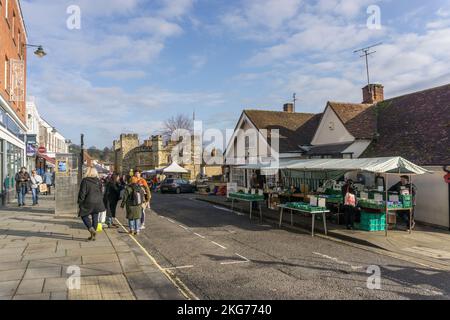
46 157
397 165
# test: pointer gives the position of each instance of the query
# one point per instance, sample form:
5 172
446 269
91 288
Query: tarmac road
219 254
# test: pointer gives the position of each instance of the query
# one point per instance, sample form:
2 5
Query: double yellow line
172 277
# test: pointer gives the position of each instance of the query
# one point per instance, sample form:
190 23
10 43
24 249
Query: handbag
43 188
99 227
102 217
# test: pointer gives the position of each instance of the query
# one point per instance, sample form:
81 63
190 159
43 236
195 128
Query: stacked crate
372 221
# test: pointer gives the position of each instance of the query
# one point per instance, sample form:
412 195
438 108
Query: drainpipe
447 169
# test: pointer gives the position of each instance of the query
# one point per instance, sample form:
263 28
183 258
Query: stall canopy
174 168
396 165
377 165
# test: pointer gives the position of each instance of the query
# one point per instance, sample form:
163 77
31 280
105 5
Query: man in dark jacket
90 201
22 182
111 198
404 184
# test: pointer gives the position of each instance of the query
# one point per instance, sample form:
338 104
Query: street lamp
39 51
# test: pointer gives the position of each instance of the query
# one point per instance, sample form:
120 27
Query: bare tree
180 121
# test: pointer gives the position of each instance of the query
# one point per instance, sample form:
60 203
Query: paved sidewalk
38 252
424 245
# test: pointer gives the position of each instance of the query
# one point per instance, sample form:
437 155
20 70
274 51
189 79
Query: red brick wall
12 40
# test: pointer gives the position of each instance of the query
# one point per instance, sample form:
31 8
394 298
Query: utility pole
81 157
366 53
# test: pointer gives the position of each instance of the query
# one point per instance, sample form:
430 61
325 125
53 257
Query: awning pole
410 209
386 206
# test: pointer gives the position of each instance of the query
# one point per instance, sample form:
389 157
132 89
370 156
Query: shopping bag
43 188
102 217
99 227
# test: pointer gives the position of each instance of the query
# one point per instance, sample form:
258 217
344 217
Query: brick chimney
288 107
373 93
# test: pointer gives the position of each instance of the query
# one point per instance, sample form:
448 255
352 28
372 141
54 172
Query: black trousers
349 215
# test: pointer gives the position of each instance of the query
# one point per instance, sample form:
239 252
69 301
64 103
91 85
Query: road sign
42 150
447 178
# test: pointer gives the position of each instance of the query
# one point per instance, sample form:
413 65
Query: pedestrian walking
147 195
111 198
36 181
133 198
48 180
22 183
349 196
90 201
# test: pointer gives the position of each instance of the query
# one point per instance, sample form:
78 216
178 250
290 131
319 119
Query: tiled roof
295 129
415 126
359 119
328 149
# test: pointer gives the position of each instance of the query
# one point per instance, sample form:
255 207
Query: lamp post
39 51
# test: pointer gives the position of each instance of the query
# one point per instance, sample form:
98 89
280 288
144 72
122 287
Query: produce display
333 198
304 206
372 204
246 196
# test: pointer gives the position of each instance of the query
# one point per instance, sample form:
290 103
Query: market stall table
313 213
249 199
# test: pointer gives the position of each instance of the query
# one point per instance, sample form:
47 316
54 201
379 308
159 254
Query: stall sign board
378 197
393 198
231 188
364 195
313 201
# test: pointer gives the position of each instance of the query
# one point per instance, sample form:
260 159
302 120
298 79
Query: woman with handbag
36 181
90 201
349 195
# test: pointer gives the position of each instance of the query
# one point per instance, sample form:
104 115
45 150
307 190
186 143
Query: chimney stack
288 107
373 93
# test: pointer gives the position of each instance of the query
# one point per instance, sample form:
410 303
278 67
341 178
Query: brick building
13 58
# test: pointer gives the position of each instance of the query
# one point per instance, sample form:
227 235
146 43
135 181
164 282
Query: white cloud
122 74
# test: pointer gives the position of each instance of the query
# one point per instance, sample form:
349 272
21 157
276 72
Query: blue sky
134 63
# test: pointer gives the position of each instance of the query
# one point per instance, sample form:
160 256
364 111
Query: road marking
217 244
242 257
181 267
199 235
338 261
185 228
223 209
236 262
177 282
170 220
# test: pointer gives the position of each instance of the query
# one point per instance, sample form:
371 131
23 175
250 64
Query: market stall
320 176
250 198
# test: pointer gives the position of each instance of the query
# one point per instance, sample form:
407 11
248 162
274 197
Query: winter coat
22 179
35 181
133 212
48 178
90 197
111 197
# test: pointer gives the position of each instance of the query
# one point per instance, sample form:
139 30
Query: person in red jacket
143 183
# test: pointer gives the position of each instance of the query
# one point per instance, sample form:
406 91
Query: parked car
176 185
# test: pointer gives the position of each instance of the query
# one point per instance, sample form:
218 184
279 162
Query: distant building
41 134
153 154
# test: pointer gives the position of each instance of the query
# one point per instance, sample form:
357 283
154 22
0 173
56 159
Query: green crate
372 227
